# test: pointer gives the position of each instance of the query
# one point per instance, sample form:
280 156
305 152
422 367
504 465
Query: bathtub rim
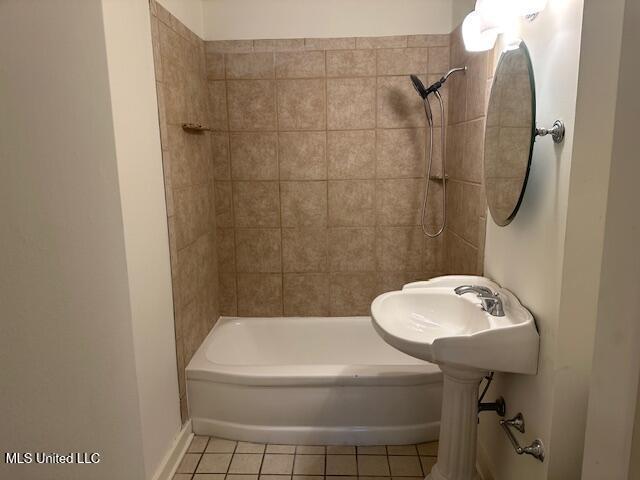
201 368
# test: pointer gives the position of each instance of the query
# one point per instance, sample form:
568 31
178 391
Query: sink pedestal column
458 425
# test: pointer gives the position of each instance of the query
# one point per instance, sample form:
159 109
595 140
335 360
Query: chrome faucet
491 302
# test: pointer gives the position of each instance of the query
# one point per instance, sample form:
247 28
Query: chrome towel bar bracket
536 449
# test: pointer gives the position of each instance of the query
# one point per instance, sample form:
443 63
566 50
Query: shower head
419 86
425 91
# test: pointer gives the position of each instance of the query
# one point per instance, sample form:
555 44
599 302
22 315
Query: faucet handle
492 304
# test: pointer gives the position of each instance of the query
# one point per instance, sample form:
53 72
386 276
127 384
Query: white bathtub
310 381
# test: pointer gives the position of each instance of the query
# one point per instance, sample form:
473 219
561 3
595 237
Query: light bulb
477 39
497 14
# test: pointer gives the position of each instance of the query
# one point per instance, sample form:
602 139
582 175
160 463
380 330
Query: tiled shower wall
182 98
305 198
319 167
466 201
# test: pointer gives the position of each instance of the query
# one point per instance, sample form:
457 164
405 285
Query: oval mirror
509 134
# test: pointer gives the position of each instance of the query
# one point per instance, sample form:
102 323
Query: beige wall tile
305 64
434 255
190 157
195 269
306 294
351 203
229 46
277 45
428 40
304 249
302 155
195 324
221 166
476 85
351 293
390 281
192 213
482 232
225 241
399 202
401 153
215 65
223 204
258 250
457 85
330 43
218 105
350 104
351 154
252 104
254 156
227 294
304 204
301 104
455 148
249 65
402 61
473 207
155 40
352 249
351 63
175 104
439 60
396 41
398 103
256 204
399 248
462 257
473 151
259 294
168 187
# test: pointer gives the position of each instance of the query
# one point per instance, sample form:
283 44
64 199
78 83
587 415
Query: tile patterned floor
210 458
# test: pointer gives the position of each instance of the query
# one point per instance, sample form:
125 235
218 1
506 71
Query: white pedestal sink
428 320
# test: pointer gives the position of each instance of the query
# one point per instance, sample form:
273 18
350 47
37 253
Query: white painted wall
613 399
550 256
134 108
87 342
189 12
256 19
68 375
460 9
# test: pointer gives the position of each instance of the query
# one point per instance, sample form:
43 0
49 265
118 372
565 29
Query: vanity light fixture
490 18
476 37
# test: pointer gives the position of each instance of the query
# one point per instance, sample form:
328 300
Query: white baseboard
171 460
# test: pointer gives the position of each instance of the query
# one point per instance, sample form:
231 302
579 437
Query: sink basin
428 320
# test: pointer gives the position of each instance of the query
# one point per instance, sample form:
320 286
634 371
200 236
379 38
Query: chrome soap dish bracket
557 131
536 449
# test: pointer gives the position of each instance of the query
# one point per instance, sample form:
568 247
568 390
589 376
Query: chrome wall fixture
536 449
556 132
195 127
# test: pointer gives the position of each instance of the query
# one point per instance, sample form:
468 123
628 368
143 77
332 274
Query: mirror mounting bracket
557 131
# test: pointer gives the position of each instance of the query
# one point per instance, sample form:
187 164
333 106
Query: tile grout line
233 213
277 119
